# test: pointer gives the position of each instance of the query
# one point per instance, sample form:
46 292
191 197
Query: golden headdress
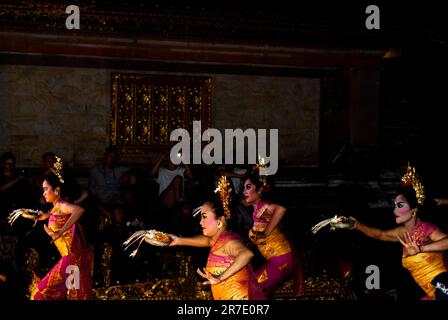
57 169
223 190
410 178
261 164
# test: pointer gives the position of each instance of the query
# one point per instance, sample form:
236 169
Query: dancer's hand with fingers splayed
211 279
410 245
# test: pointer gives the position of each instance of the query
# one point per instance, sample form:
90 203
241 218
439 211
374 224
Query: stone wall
67 110
291 105
54 109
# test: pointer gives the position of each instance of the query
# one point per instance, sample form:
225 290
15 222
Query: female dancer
228 269
71 277
272 242
427 268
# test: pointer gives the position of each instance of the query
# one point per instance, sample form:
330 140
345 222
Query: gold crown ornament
57 169
410 179
223 190
261 164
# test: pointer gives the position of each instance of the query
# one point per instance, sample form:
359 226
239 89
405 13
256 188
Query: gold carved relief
147 108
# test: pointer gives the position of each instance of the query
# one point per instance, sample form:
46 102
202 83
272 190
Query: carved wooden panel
147 108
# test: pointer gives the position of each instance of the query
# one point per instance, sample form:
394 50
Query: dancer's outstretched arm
375 233
196 241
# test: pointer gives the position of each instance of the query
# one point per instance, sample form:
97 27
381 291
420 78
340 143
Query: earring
219 225
414 213
56 193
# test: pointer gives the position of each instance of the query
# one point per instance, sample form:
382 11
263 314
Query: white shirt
167 176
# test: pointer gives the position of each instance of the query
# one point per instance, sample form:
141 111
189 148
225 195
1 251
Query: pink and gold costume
77 254
242 285
278 252
424 267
